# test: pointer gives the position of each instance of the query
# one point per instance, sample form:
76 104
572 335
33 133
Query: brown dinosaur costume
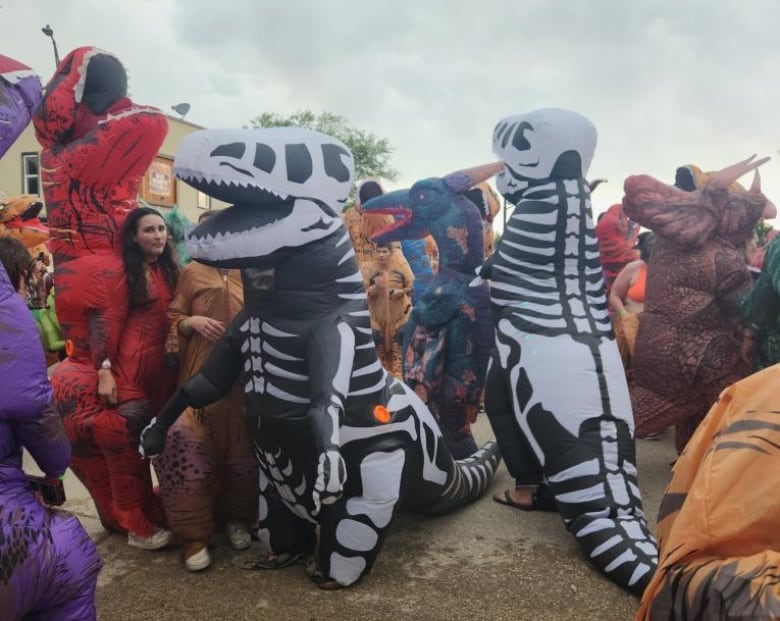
388 316
687 347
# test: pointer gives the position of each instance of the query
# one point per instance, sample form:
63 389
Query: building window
204 200
31 168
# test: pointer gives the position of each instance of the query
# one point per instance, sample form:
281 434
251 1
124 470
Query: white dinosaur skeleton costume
556 391
341 445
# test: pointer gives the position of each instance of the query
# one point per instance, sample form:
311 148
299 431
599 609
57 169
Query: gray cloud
665 82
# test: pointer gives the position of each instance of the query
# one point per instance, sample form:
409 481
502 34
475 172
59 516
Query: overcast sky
666 82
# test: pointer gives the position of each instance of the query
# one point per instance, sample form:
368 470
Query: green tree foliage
762 229
371 153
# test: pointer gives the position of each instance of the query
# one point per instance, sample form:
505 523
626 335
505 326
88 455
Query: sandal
541 500
275 561
321 580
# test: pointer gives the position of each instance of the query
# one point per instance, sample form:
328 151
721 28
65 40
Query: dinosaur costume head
287 187
19 219
419 209
20 92
701 205
550 143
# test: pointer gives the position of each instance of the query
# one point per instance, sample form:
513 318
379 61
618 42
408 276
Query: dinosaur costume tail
472 478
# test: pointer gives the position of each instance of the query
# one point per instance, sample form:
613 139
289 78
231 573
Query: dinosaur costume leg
518 456
237 498
138 507
187 481
280 529
75 397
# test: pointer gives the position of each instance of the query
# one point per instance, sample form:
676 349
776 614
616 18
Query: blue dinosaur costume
341 445
449 335
556 392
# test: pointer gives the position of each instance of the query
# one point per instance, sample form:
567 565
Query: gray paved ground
486 561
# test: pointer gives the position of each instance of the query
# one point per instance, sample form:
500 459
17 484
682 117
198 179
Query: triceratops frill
341 445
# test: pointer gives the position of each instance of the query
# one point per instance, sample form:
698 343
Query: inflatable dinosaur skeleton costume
340 444
552 331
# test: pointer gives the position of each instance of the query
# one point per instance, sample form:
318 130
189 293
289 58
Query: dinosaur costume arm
211 383
103 148
733 282
330 355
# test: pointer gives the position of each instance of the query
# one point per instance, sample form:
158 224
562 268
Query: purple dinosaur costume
48 564
20 92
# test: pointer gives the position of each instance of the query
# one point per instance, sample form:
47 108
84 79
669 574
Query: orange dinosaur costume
718 524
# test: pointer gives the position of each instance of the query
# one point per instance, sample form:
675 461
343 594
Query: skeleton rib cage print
548 266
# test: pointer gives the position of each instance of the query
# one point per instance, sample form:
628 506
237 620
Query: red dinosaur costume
687 350
97 145
617 237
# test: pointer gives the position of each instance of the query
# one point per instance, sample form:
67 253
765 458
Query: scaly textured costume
720 545
48 564
686 349
552 331
449 335
341 445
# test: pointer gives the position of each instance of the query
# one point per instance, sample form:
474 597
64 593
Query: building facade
20 173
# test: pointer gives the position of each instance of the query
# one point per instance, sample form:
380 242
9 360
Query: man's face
383 254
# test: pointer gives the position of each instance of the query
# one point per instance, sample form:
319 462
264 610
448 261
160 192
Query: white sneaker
198 561
238 535
159 539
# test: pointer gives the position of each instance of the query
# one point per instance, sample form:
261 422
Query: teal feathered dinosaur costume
450 332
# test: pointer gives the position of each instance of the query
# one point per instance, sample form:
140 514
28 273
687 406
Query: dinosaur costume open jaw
426 202
286 187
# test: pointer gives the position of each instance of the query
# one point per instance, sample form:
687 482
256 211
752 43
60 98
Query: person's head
144 240
644 244
144 232
382 252
17 263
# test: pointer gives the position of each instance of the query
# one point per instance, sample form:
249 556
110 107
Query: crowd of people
689 316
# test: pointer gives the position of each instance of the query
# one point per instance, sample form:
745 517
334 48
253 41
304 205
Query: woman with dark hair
104 425
17 262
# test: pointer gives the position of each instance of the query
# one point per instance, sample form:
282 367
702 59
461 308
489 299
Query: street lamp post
47 30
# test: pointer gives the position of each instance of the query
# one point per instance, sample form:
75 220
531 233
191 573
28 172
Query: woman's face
151 236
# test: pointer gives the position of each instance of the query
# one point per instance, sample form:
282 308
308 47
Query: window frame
26 177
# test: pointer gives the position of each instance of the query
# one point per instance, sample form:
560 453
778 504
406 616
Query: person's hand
379 281
207 327
107 387
152 439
